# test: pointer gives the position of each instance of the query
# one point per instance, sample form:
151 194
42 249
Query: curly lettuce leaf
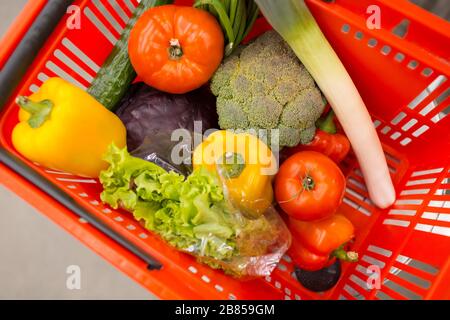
192 213
188 213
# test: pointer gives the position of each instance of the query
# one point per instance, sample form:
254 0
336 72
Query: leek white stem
293 20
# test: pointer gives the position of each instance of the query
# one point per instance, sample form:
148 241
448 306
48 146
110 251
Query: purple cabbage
148 113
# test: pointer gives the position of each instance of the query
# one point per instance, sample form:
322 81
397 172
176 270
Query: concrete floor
35 253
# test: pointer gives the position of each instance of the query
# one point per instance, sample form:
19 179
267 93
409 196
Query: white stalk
293 20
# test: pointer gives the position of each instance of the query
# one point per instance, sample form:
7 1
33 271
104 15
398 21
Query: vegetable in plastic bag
247 167
158 149
194 215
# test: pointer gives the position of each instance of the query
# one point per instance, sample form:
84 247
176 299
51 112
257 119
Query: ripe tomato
309 186
176 49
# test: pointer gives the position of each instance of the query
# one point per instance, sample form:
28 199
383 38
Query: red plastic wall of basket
403 78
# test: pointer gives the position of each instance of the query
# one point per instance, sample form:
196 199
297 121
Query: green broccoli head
265 86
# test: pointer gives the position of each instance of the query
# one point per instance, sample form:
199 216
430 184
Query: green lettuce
191 213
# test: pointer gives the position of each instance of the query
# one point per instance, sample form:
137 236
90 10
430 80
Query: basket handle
28 48
10 76
18 166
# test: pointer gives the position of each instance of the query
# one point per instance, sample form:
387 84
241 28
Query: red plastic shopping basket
402 73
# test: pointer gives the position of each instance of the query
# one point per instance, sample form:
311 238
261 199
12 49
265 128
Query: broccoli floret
264 112
236 116
265 86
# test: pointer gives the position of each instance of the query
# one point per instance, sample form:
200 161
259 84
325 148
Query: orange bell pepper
317 244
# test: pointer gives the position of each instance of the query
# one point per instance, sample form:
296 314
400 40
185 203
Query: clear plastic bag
246 167
258 254
196 213
158 148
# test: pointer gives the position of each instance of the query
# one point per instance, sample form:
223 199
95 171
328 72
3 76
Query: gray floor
35 253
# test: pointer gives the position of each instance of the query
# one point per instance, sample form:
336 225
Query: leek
295 23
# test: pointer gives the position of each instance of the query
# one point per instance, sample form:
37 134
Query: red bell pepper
316 245
327 141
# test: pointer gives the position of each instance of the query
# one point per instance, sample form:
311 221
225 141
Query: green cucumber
117 73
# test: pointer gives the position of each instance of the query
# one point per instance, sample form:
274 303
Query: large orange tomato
309 186
176 49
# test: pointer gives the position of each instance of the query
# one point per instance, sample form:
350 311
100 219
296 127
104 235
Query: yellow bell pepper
62 127
245 164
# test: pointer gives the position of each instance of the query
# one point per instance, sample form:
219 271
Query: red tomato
309 186
176 49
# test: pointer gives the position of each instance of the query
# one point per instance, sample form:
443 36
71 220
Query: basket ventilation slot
422 197
208 281
409 278
434 111
401 30
130 5
120 12
357 285
69 45
63 74
401 290
104 19
439 107
117 27
73 66
408 123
